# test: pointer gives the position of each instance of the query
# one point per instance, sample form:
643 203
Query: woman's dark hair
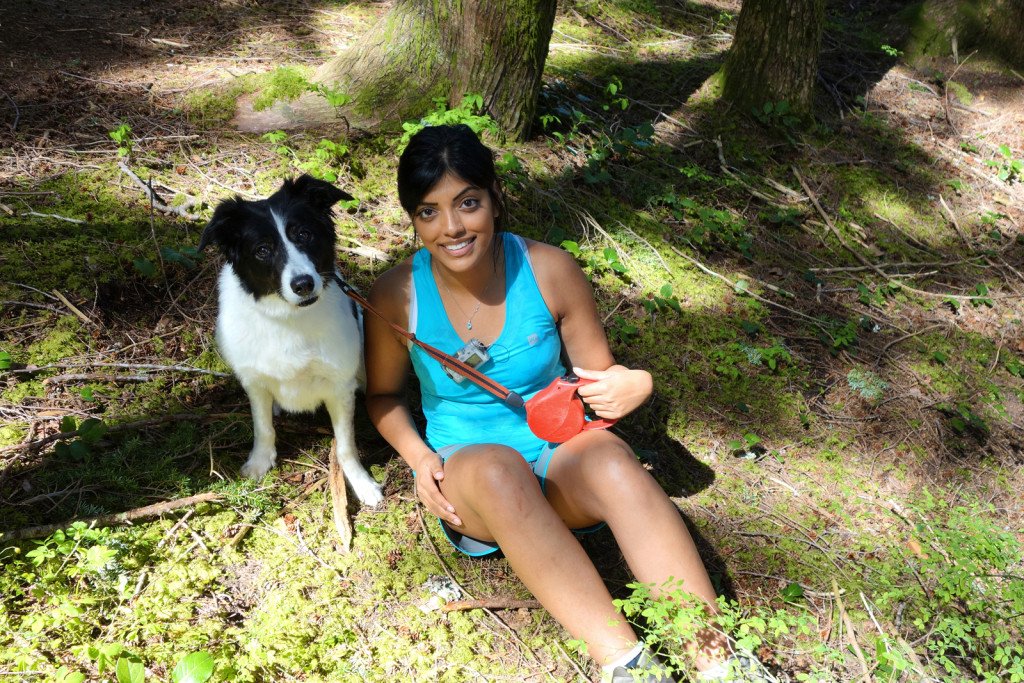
436 151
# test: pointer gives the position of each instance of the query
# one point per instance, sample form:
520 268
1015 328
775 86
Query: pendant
469 324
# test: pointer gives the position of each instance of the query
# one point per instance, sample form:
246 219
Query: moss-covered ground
832 314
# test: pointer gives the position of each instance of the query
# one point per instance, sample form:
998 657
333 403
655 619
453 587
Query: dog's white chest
300 357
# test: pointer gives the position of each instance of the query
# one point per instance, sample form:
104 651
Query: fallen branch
97 377
339 499
138 514
492 603
154 202
871 266
127 366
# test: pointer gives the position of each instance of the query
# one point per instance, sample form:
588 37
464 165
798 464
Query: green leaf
194 668
571 247
609 255
145 266
793 591
78 451
666 291
940 357
130 669
92 430
741 286
737 445
68 424
5 360
618 267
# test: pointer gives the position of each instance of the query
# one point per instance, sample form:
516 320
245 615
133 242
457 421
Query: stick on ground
339 499
138 514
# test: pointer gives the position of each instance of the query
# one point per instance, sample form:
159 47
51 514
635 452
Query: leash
508 397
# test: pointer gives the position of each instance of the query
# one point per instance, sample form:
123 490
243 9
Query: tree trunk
774 55
939 28
421 50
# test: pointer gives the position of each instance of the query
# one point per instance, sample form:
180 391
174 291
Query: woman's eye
470 203
425 213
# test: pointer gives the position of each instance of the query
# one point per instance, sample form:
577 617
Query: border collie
289 333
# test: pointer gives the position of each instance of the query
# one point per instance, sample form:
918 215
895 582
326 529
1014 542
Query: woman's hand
616 392
429 474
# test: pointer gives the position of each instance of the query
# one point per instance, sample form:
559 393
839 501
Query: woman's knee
493 473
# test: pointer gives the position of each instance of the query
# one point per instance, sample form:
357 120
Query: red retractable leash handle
554 414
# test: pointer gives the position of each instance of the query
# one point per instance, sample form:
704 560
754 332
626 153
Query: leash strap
510 398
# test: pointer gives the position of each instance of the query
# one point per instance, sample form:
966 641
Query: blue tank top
524 358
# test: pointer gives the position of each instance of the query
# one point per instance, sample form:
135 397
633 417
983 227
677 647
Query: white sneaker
646 670
742 666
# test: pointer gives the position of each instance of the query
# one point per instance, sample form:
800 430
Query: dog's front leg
264 452
342 409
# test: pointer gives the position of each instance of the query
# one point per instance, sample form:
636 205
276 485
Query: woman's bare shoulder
390 291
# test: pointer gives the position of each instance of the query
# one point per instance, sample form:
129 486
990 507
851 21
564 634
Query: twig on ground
97 377
953 219
126 366
71 307
903 338
863 259
55 216
851 634
159 206
138 514
491 603
339 499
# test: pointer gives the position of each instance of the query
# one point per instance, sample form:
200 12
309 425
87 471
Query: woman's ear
496 194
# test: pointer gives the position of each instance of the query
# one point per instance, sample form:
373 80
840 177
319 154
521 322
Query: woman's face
455 220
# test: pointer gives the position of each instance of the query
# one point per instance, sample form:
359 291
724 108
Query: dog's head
282 245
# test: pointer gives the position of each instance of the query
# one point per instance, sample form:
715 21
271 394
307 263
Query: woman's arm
387 371
617 390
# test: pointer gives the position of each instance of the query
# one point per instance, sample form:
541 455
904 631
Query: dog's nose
302 285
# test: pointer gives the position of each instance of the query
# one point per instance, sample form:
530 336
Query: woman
480 470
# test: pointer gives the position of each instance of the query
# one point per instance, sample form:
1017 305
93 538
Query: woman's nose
453 225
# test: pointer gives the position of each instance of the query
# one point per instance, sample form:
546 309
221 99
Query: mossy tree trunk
774 55
954 27
423 49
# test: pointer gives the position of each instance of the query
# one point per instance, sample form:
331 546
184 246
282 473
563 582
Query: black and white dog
289 333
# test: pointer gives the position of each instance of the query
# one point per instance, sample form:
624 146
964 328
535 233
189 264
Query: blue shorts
474 547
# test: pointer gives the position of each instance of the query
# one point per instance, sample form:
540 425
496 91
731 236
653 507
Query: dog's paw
258 464
367 490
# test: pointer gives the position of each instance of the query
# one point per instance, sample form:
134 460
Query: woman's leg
596 478
497 496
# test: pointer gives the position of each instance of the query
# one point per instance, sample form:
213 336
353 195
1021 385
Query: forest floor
833 318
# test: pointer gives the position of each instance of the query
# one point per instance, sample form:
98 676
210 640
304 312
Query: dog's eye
303 235
262 252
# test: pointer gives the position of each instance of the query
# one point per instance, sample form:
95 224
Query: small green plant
122 135
1008 169
609 258
469 112
708 228
622 330
664 301
749 447
891 51
88 433
778 117
870 386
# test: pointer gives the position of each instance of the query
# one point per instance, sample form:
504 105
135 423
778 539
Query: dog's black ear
320 194
222 225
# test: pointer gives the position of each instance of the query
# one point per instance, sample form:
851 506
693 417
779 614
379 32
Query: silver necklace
469 318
